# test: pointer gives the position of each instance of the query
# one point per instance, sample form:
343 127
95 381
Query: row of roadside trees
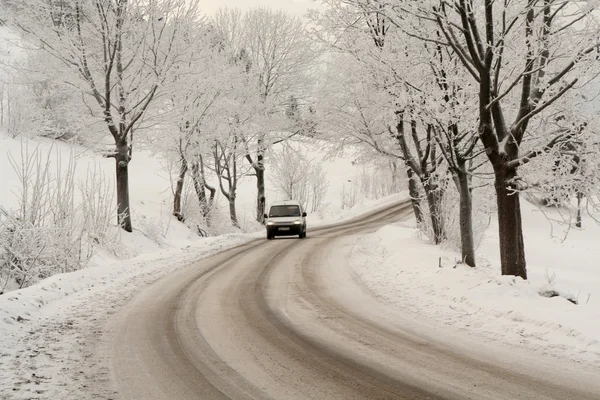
461 93
469 93
213 94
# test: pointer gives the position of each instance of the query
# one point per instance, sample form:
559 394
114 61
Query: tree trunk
510 228
211 199
578 222
260 189
232 212
122 158
200 187
434 198
179 190
465 217
413 192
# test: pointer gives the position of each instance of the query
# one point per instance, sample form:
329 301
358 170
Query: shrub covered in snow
58 224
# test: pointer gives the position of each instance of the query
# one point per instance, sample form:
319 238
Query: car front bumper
284 230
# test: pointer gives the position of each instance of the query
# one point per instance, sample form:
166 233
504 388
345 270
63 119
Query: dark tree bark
434 192
226 169
424 166
233 212
578 221
457 148
479 45
201 186
413 191
457 164
462 181
510 228
122 158
260 188
177 212
259 172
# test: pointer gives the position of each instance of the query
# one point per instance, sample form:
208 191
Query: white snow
402 270
48 330
49 348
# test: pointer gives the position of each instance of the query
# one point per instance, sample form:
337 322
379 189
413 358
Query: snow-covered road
50 333
283 319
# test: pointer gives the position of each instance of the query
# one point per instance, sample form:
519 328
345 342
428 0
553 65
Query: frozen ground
401 269
151 193
151 189
49 331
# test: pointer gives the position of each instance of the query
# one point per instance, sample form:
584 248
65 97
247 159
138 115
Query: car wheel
269 236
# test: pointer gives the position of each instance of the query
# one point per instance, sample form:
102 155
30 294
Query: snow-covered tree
281 57
522 57
119 53
295 176
387 106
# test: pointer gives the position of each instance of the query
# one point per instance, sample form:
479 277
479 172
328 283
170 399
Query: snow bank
364 206
430 282
49 331
24 305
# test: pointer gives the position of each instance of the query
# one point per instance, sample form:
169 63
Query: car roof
285 203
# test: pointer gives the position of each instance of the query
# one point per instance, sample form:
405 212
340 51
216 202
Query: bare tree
546 73
58 225
298 177
190 143
227 156
425 164
201 187
281 56
318 186
521 58
121 53
290 168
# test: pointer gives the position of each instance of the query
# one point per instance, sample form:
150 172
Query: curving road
283 319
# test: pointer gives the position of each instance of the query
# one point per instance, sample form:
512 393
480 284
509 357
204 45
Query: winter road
282 320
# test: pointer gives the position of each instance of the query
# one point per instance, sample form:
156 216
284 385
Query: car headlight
269 223
297 222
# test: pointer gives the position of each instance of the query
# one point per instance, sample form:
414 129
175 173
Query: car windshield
284 211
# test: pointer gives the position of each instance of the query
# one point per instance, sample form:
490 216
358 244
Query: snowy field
151 191
400 269
48 329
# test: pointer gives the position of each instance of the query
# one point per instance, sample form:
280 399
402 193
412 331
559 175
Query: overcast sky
297 7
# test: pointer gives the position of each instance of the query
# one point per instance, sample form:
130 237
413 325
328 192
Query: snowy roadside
49 330
401 270
27 306
365 206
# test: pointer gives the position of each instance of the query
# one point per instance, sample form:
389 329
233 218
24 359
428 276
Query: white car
285 218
